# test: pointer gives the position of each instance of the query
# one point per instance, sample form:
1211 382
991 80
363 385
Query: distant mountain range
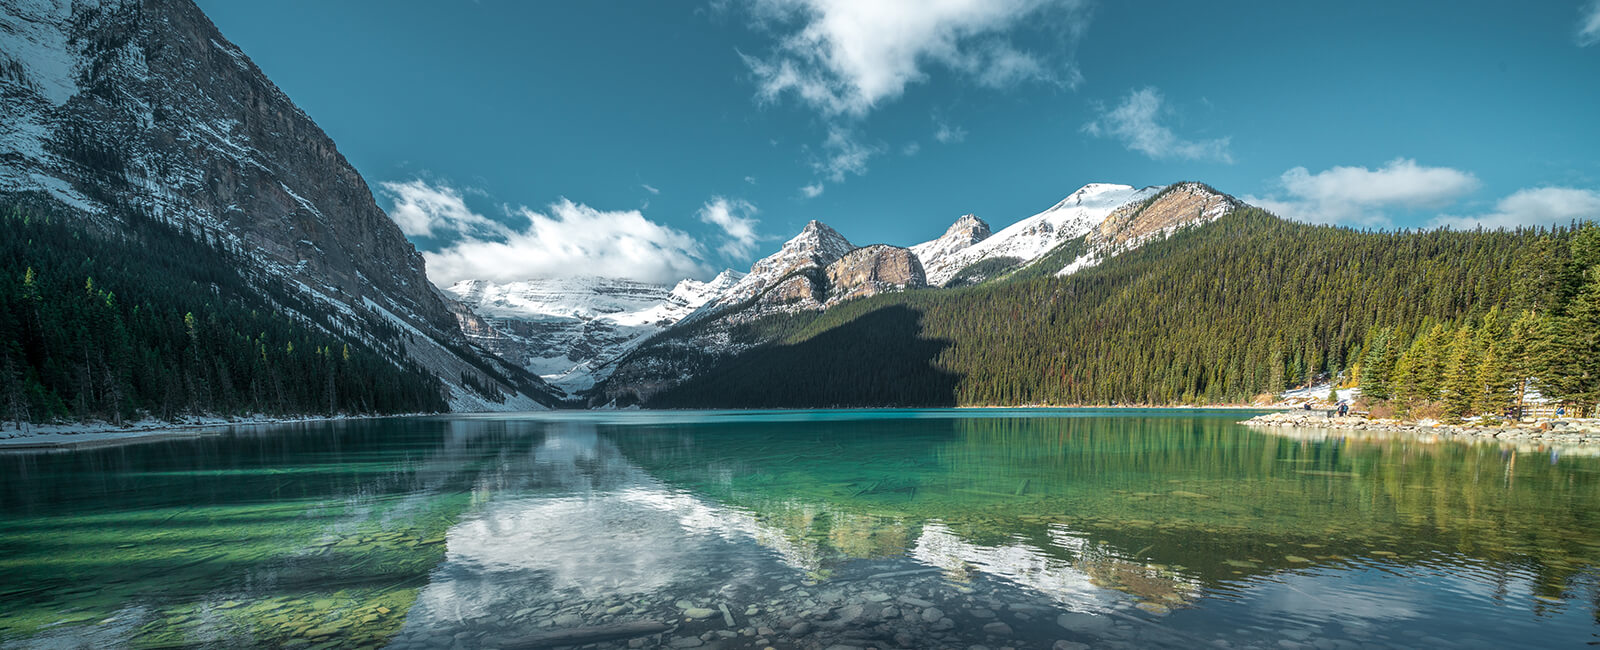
819 269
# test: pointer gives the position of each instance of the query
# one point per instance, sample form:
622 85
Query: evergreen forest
1435 323
149 320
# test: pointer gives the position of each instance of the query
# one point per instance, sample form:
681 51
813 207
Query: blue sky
658 140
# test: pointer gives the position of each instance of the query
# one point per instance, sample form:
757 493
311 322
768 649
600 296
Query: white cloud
1589 24
1360 196
813 190
912 148
568 239
846 57
948 134
424 210
843 154
736 219
649 188
750 179
1136 123
1543 206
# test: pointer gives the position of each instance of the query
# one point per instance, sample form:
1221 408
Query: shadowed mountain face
144 107
830 370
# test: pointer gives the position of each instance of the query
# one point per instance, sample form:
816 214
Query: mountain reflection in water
1121 528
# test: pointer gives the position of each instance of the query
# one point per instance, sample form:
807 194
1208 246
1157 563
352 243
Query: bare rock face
1177 206
871 270
812 250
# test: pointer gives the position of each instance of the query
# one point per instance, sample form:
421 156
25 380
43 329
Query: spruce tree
1377 366
1495 386
1582 345
1461 374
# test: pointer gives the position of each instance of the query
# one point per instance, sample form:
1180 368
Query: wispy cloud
736 218
949 134
422 209
1542 206
847 57
1589 24
911 148
1137 123
812 191
843 154
566 239
1362 196
649 188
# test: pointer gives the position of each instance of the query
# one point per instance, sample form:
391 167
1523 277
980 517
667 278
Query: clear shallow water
1112 528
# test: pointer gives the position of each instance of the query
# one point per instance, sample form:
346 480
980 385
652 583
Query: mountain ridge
801 276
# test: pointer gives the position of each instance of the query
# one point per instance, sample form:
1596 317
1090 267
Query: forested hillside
153 321
1220 313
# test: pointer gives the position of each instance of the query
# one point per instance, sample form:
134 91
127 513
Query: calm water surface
801 529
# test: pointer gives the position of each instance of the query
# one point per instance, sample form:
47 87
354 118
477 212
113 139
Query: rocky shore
1585 431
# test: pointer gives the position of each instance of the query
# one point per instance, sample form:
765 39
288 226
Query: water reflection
866 528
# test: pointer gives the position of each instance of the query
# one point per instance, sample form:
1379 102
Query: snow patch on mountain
32 40
962 234
815 247
1030 238
570 330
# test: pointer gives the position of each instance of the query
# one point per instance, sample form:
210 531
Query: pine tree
1419 371
1495 385
1460 379
1582 345
1521 342
1377 365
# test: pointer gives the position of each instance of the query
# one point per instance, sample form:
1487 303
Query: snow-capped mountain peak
966 231
815 247
1030 238
695 293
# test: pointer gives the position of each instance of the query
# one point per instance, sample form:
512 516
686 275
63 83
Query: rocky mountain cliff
143 108
872 270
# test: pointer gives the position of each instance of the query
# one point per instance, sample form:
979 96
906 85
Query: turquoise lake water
943 528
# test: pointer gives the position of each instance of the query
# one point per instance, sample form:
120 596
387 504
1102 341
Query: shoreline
90 435
1570 431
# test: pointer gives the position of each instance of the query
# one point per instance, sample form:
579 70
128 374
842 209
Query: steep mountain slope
569 330
815 270
1030 238
142 108
1132 225
788 276
1220 312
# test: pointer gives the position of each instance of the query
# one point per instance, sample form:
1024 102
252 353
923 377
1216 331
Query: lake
941 528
